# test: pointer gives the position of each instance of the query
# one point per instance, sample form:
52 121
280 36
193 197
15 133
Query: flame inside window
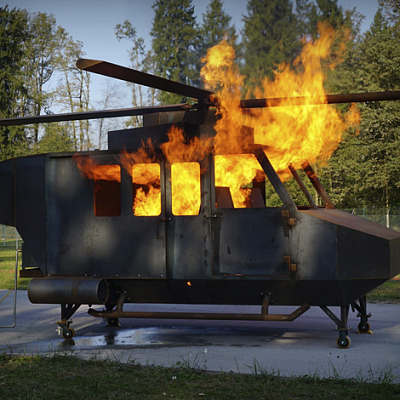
185 187
146 189
236 178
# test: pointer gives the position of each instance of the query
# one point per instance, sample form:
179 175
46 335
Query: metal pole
4 235
15 292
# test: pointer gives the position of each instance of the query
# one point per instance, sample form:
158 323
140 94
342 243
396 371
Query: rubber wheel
343 342
113 322
68 333
364 327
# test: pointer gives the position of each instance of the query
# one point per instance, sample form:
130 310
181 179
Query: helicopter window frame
107 194
256 193
184 190
145 186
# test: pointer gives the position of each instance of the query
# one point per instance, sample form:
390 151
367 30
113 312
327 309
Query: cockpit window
146 189
185 188
107 191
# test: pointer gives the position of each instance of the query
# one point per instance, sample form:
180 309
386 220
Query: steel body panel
250 242
137 137
30 204
7 193
364 249
81 243
69 211
199 117
313 248
189 247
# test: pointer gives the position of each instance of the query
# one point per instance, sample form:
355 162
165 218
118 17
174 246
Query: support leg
361 307
343 341
67 311
114 321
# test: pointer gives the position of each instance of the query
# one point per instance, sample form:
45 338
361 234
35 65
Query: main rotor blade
328 99
124 112
141 78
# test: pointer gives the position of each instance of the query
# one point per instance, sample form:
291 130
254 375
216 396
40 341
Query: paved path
306 346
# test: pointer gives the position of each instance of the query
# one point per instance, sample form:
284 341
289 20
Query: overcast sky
93 22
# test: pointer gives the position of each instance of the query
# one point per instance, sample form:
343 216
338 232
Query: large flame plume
291 134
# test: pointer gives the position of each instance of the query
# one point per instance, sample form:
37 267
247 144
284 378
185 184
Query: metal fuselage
222 255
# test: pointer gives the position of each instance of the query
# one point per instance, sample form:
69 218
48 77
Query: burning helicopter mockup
153 219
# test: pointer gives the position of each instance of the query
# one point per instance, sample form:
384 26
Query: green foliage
216 26
13 34
365 169
39 64
55 139
175 42
140 60
270 37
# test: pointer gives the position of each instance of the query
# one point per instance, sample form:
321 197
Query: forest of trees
363 171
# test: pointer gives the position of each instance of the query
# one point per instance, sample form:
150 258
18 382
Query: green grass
389 292
67 377
7 266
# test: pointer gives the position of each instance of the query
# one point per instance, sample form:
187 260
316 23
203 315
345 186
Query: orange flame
185 188
145 178
91 170
235 171
182 153
181 149
147 200
292 134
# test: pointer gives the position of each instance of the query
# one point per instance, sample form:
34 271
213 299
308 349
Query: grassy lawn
66 377
7 266
389 292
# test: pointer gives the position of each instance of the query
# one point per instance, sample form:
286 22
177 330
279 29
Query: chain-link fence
9 235
389 217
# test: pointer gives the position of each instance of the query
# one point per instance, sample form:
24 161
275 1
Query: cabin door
249 238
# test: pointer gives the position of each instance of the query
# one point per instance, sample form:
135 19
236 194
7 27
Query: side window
240 182
107 190
146 180
185 187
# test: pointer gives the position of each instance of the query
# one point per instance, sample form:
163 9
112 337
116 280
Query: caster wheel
68 333
343 342
113 322
364 327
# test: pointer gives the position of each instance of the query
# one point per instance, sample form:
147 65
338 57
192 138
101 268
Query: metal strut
263 316
67 311
15 293
343 341
361 307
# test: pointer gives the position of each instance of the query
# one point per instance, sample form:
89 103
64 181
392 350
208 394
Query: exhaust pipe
68 291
